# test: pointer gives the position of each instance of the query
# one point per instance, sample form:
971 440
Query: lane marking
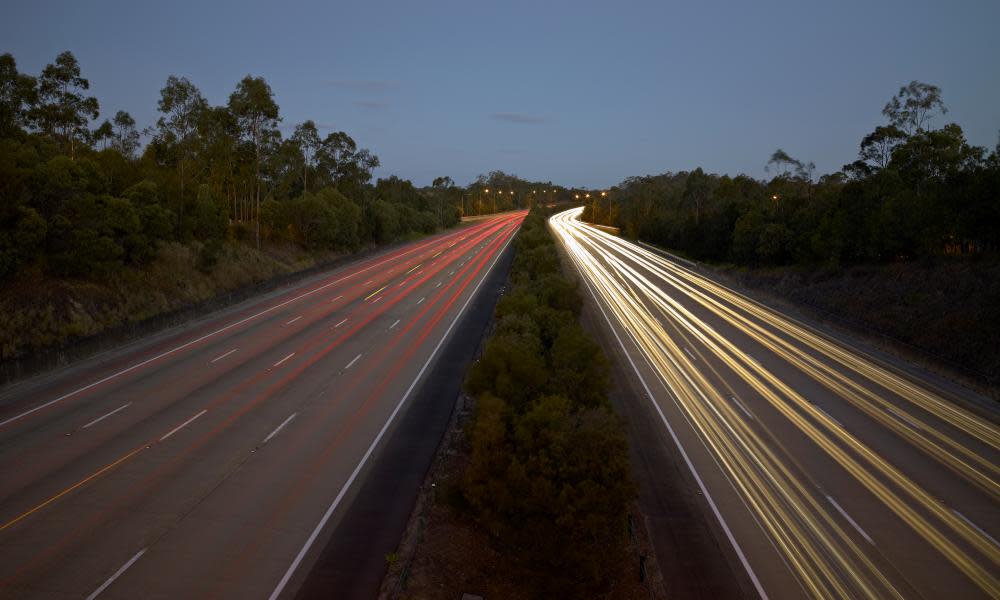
369 281
294 320
394 324
184 424
339 324
143 363
375 292
828 416
976 527
437 255
279 428
117 574
438 285
906 419
413 269
452 273
99 419
737 402
421 300
853 523
218 358
354 360
371 448
282 360
691 354
76 485
687 459
337 298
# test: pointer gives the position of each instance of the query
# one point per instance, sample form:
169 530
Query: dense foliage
914 192
82 199
549 474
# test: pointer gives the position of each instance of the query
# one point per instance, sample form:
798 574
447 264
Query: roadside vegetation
903 241
104 223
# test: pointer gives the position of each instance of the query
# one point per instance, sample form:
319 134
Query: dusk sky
579 93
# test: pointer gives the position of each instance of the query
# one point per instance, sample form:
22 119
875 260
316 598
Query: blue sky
578 93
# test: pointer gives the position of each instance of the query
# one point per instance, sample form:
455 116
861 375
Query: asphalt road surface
828 473
215 461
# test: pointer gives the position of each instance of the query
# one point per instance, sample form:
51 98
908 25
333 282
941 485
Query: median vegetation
549 476
537 501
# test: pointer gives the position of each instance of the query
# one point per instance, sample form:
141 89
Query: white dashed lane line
284 359
218 358
99 419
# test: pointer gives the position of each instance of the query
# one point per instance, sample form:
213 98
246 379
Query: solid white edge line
184 424
351 364
371 448
687 460
117 574
282 360
853 523
221 356
279 428
99 419
188 344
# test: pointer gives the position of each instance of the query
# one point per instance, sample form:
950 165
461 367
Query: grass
40 314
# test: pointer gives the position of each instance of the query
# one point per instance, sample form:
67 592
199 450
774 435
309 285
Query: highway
828 473
215 461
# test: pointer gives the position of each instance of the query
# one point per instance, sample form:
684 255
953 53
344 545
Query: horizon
394 81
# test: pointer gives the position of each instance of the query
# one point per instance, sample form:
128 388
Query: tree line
81 197
914 192
549 474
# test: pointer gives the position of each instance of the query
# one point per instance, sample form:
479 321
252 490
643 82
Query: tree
696 191
18 94
307 138
102 134
914 106
877 146
256 112
63 111
125 138
181 105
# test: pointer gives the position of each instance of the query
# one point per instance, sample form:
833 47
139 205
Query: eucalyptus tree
63 110
307 138
182 106
256 113
914 106
125 136
18 93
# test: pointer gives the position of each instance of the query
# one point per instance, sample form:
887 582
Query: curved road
829 474
215 462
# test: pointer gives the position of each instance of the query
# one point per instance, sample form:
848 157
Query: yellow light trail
797 518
